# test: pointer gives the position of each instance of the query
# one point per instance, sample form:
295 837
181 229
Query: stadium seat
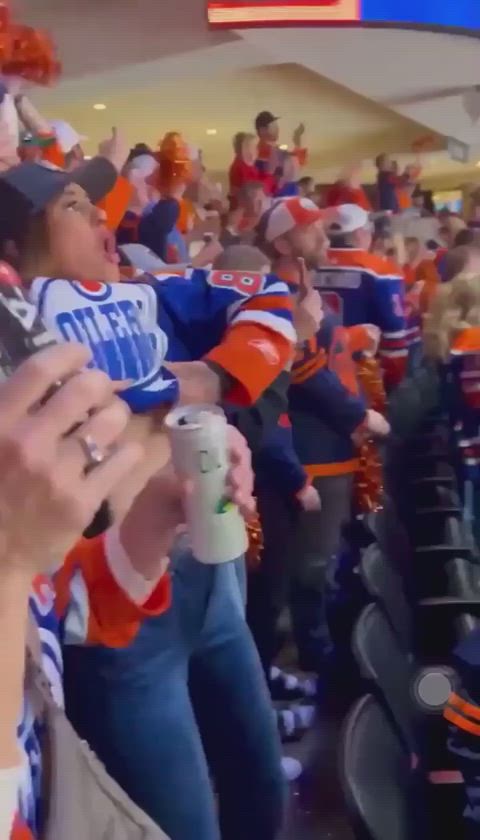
413 696
385 586
382 792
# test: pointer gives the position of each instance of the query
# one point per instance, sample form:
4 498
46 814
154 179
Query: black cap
26 189
264 118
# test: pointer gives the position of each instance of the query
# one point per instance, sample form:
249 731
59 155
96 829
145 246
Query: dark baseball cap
264 118
26 189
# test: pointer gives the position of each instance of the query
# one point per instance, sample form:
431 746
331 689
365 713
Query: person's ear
283 247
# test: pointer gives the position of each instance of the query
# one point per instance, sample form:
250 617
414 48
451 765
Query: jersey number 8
243 284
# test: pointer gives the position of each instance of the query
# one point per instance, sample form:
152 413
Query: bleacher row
420 579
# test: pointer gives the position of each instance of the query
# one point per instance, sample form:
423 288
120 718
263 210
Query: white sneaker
292 769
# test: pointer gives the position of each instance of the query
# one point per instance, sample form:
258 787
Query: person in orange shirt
349 190
421 275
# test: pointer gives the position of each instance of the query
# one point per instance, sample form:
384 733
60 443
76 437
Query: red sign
237 13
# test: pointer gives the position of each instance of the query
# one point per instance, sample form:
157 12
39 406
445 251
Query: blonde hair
455 307
456 261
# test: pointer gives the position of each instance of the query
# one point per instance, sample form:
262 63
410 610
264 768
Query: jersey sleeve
115 204
279 459
240 321
94 607
389 315
328 396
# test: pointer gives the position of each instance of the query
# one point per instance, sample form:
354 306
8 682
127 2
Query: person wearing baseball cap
269 155
143 332
70 142
325 410
367 288
293 228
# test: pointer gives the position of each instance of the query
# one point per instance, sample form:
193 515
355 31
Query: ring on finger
91 450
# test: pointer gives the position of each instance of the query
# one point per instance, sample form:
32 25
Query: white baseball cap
146 164
347 218
66 135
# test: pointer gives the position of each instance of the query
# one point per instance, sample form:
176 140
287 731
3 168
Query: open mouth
109 246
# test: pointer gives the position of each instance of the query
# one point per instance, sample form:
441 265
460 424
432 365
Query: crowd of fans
298 308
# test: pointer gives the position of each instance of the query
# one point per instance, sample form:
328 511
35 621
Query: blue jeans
186 698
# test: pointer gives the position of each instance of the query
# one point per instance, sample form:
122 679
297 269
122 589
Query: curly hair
455 307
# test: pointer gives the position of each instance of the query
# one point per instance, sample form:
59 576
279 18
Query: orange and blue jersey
81 604
276 464
363 288
463 715
324 402
238 321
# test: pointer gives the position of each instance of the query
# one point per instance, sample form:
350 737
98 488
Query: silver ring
91 450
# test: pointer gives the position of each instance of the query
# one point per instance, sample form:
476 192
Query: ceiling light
87 157
211 132
284 147
99 106
478 164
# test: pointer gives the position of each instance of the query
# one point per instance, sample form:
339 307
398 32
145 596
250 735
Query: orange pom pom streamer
175 166
255 543
368 485
26 52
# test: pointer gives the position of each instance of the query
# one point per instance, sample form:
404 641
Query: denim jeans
187 698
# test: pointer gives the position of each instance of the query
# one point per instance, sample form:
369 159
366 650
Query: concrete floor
316 806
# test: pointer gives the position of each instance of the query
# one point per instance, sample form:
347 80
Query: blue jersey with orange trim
276 464
238 320
462 378
463 714
363 288
324 403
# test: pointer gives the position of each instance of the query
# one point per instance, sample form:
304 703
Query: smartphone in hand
23 333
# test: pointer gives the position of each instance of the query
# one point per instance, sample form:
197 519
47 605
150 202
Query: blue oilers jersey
364 289
242 321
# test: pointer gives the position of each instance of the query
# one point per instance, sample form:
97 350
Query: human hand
8 143
46 498
15 85
374 334
309 499
157 515
115 149
208 254
297 136
376 424
308 309
240 478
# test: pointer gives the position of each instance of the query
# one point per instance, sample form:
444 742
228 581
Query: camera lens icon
432 687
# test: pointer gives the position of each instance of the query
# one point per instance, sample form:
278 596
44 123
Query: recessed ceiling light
87 157
284 147
211 132
99 106
478 164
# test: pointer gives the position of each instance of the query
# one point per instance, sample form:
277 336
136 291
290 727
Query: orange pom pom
26 52
368 486
255 543
175 166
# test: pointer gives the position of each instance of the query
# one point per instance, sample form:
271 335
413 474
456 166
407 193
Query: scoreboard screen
451 14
